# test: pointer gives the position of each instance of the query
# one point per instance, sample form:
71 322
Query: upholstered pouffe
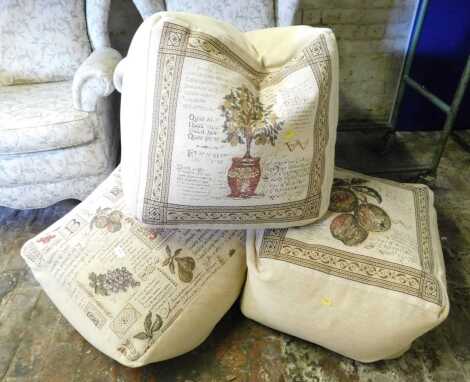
137 295
227 130
364 282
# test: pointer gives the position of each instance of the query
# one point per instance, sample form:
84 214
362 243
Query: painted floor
37 343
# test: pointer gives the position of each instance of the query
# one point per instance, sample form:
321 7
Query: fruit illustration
107 218
372 218
185 265
342 200
346 228
358 216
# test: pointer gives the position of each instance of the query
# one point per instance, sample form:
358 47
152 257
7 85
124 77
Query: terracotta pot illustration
243 177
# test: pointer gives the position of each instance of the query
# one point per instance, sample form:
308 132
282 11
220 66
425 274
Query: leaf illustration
232 252
178 251
172 267
141 336
168 250
368 191
157 323
148 323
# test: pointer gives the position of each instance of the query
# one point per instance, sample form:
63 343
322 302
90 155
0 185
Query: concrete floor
37 344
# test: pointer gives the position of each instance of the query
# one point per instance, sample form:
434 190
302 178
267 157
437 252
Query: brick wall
372 38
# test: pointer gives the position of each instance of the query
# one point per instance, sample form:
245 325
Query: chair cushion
246 15
365 281
138 295
228 129
41 40
41 117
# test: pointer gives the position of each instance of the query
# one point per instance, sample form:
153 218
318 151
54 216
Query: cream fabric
364 284
41 40
191 86
138 295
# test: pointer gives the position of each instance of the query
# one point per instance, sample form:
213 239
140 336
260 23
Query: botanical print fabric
51 178
246 15
139 295
41 117
40 195
225 129
365 281
93 79
41 40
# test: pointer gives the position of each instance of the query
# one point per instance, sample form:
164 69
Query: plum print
358 216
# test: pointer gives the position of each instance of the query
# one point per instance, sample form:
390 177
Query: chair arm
119 74
94 78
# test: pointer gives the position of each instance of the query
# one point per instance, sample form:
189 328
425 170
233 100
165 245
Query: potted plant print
247 120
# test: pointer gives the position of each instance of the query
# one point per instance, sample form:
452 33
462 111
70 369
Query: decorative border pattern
368 270
178 42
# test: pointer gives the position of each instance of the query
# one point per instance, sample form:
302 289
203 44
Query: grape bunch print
358 216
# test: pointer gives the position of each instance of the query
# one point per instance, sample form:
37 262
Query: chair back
246 15
41 40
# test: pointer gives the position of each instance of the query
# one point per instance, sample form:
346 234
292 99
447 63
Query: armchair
246 15
58 132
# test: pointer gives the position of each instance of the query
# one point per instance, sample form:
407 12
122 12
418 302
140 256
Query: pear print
183 266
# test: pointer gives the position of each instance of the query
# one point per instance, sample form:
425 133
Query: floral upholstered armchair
58 136
246 15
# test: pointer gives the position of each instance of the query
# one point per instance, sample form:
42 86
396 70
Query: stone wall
372 38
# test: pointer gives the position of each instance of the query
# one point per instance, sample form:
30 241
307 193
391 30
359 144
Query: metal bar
427 94
423 6
460 141
451 116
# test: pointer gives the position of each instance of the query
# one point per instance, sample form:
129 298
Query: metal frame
451 110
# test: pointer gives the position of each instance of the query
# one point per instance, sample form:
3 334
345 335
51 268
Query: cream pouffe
138 295
227 130
364 282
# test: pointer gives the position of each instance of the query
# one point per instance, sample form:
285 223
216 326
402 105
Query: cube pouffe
138 295
364 282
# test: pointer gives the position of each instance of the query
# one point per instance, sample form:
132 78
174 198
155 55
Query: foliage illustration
248 120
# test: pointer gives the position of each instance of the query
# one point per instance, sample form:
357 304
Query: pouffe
364 282
138 295
227 130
